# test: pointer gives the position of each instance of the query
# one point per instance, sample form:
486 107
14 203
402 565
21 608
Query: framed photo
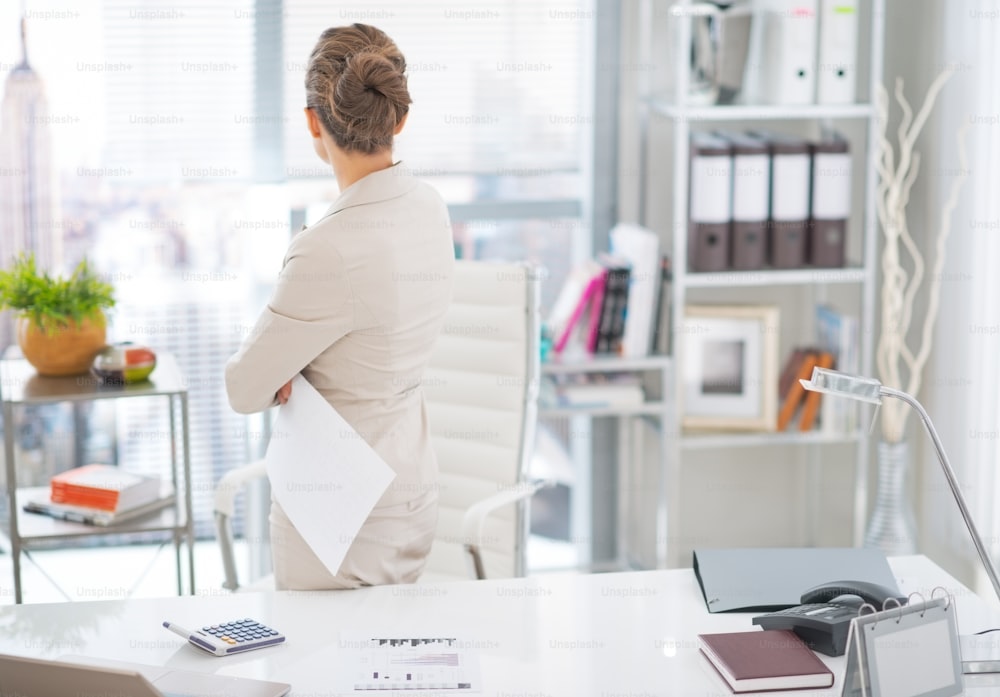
729 367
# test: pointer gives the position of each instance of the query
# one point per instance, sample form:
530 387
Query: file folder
751 193
711 203
789 221
830 203
767 579
837 67
781 68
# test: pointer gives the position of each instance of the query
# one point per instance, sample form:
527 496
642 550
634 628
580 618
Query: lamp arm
949 474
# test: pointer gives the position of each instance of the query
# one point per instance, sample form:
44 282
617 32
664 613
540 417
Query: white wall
961 392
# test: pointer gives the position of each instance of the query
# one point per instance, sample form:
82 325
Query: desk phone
824 617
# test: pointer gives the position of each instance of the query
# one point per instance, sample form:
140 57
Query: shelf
23 385
708 440
37 526
561 364
645 409
775 277
759 112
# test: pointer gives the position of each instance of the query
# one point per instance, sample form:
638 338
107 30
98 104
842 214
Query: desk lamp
870 390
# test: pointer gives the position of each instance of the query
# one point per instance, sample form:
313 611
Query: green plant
53 302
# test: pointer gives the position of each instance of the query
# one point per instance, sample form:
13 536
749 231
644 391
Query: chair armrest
475 517
225 505
231 484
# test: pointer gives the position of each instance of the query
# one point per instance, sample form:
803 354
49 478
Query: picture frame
729 367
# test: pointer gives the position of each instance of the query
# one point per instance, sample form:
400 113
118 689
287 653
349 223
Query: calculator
230 637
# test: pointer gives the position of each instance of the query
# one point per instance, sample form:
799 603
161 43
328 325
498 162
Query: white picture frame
729 367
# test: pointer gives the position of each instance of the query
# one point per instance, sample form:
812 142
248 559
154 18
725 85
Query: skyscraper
28 200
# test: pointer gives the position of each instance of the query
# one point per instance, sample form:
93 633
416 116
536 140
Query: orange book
810 406
796 391
104 487
790 369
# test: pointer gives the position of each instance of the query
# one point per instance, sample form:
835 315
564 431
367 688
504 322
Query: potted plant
61 324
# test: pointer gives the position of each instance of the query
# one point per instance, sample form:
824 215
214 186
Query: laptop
33 677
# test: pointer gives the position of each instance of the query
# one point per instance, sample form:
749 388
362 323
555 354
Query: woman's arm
309 310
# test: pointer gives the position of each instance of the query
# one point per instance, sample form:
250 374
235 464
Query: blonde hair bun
356 82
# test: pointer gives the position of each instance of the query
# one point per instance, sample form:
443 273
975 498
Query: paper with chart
323 473
398 662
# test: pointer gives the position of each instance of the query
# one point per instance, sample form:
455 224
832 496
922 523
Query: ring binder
910 649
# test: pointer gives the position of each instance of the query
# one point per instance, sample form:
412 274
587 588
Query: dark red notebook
770 659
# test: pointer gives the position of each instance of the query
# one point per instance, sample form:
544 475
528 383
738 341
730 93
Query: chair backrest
482 394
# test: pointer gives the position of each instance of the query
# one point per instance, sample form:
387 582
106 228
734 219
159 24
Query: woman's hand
284 392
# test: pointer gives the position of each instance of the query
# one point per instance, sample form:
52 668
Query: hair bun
356 82
368 77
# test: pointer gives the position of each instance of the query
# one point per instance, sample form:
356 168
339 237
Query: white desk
601 635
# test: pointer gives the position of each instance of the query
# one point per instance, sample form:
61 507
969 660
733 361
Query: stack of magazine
103 495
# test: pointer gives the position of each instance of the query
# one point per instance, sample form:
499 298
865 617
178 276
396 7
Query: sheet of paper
378 662
324 475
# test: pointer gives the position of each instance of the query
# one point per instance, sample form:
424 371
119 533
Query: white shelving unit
641 494
858 277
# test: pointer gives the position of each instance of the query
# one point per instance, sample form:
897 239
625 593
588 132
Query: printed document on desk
323 473
438 662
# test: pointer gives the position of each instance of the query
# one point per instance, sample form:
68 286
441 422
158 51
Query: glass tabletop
21 384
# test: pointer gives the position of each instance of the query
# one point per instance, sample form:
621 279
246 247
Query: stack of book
795 401
102 495
592 391
612 305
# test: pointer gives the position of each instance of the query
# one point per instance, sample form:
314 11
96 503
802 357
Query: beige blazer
358 306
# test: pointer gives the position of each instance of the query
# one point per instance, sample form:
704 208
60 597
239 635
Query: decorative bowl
124 363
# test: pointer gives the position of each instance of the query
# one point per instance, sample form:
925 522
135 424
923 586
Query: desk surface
601 635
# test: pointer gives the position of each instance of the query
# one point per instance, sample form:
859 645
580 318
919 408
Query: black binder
789 222
711 203
830 204
751 194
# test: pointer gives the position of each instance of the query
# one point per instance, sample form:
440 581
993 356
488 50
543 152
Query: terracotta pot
68 350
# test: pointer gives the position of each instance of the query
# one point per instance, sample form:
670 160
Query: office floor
140 571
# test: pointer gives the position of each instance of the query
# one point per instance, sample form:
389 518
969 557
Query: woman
358 306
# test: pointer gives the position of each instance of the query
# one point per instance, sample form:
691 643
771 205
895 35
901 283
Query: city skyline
154 142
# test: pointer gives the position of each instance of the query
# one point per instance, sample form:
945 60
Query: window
177 160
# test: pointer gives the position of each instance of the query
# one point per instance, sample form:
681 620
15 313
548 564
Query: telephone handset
823 618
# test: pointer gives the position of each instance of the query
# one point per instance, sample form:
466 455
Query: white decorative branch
903 264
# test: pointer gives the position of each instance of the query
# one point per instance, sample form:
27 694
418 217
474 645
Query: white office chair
482 390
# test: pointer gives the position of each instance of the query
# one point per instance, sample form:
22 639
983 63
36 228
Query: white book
598 395
641 248
838 333
96 516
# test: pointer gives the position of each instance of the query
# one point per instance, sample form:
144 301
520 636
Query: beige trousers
391 547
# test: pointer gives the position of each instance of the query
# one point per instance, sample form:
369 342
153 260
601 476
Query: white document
323 473
392 663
